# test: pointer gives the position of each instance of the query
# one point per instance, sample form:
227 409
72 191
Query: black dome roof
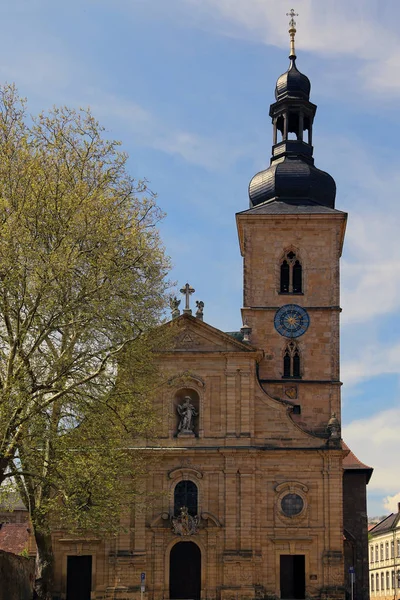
293 84
295 179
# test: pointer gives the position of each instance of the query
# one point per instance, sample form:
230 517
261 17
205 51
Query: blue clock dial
291 320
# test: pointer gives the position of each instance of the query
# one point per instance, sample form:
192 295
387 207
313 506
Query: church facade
254 488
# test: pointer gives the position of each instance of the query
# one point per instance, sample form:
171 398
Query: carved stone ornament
333 427
185 524
291 392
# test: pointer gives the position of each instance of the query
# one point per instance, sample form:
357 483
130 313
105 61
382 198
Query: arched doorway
185 571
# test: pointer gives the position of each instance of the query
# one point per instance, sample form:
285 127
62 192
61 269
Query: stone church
257 494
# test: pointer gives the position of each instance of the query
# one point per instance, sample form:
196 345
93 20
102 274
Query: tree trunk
44 566
4 462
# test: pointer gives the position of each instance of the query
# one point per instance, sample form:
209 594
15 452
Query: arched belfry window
291 275
291 361
186 494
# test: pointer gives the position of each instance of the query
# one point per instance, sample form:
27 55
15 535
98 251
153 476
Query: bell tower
291 241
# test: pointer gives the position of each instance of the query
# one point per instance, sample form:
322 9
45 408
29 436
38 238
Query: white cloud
334 28
372 361
367 188
149 130
375 442
391 503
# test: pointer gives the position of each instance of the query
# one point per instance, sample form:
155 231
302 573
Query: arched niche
181 396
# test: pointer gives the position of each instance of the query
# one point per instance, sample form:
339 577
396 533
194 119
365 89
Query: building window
387 550
372 583
381 551
372 554
377 582
291 275
392 580
398 547
185 494
292 505
392 549
382 581
291 361
387 580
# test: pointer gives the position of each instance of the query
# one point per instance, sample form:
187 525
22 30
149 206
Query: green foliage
82 287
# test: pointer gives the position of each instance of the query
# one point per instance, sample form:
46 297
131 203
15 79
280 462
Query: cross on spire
187 291
292 31
292 14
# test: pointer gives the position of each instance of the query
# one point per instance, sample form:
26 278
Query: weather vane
292 31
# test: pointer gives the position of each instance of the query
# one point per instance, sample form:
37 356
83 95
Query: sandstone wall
16 577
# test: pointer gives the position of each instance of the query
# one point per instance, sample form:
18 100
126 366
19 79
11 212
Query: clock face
291 320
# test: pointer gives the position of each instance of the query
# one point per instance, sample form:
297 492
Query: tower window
291 361
291 275
185 494
285 277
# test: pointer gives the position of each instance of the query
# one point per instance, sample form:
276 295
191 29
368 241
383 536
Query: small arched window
186 494
291 361
291 275
377 582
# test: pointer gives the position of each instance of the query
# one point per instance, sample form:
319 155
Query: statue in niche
186 412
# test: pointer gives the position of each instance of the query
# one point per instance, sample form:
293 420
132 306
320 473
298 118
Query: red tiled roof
351 462
14 537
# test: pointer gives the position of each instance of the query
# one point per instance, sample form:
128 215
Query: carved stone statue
174 305
187 412
185 524
200 308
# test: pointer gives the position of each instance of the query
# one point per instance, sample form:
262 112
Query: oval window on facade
292 505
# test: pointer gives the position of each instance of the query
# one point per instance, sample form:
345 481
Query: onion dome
293 179
293 84
292 176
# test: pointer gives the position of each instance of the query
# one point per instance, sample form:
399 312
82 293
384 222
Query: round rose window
292 505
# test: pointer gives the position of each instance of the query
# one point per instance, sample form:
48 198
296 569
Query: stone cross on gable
187 291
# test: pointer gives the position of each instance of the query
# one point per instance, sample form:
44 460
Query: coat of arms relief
185 524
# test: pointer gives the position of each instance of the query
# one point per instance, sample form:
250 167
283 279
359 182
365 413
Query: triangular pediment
193 335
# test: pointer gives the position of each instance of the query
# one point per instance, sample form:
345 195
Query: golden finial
292 31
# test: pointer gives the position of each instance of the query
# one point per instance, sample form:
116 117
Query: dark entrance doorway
79 577
185 571
293 578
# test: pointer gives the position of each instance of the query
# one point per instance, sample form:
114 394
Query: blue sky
186 85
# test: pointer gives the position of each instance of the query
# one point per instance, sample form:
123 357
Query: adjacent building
384 558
